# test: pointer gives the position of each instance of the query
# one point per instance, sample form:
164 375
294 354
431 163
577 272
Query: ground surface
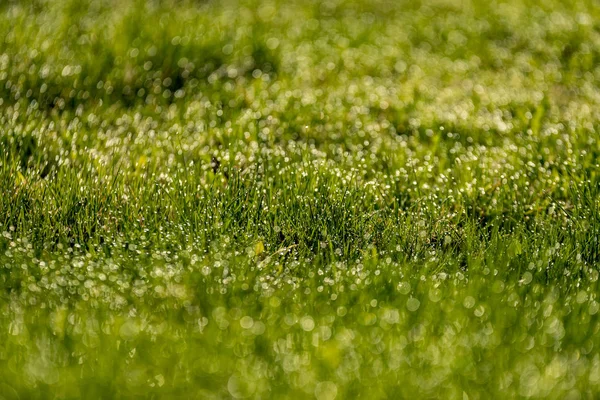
319 199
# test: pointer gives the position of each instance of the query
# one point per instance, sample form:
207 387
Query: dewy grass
323 200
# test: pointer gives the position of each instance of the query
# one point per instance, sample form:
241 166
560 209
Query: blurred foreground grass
310 200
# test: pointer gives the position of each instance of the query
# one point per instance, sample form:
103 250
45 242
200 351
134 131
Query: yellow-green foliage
312 199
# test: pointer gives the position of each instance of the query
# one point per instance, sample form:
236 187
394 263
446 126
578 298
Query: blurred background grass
296 200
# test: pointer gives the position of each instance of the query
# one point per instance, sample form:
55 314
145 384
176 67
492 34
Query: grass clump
310 200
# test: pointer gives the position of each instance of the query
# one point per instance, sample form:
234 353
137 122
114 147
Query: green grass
257 199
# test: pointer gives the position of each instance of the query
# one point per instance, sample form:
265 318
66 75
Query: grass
313 200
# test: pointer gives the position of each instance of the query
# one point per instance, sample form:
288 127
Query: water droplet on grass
413 304
307 323
326 390
469 302
240 387
404 287
246 322
527 278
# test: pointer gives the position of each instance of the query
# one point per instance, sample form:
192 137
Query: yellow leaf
260 248
21 179
374 253
142 161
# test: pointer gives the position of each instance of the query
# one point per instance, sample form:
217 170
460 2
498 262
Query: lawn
299 200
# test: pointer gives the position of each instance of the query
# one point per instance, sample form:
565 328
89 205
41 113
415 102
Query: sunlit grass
310 200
